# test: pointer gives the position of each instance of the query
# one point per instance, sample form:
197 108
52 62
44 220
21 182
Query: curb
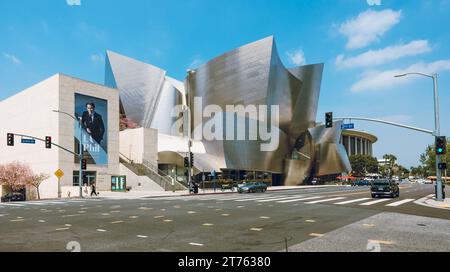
423 202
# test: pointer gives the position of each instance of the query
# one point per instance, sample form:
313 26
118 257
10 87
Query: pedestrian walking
93 190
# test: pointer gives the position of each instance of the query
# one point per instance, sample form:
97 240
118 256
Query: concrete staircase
152 172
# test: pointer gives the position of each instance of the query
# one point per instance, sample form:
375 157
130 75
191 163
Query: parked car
253 187
12 197
361 183
385 187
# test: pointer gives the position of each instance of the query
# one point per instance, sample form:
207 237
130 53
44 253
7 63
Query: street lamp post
437 132
80 153
190 72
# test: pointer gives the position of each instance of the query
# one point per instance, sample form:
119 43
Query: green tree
428 159
363 164
389 167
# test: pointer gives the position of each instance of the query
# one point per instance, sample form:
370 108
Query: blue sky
362 43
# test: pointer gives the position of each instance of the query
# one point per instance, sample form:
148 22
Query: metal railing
148 169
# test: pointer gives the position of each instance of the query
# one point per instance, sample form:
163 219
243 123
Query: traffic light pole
439 192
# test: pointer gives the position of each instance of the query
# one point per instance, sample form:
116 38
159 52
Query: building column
349 146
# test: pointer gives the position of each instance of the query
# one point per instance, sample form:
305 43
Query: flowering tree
15 175
126 123
36 180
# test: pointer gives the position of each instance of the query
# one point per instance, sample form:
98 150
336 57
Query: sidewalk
148 194
430 201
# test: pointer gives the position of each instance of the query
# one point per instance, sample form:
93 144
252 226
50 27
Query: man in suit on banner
92 123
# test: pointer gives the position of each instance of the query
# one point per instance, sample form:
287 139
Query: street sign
28 141
59 173
348 126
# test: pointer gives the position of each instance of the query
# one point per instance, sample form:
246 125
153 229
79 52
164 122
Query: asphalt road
209 223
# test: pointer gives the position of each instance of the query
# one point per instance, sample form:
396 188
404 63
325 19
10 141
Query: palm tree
392 160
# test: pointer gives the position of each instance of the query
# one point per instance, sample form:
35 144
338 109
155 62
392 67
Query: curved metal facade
147 94
250 75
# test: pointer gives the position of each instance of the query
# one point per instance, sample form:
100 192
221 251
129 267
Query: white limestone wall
31 112
68 87
138 144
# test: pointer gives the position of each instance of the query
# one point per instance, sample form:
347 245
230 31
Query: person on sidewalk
93 190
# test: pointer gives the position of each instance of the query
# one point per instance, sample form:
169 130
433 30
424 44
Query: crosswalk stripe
325 200
254 198
13 205
299 199
34 203
352 201
401 202
374 202
278 198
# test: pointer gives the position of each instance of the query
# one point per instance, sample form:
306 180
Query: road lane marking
374 202
191 212
60 229
68 225
256 229
316 235
114 212
17 220
325 200
116 222
133 217
159 216
101 230
310 221
299 199
240 207
208 225
381 242
142 236
70 215
225 214
264 217
352 201
145 208
401 202
168 220
368 225
195 244
41 221
105 214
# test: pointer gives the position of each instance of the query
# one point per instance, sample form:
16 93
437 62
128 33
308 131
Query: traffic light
48 142
441 147
442 166
192 159
10 141
83 164
329 120
186 162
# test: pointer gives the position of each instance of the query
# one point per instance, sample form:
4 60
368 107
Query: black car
385 187
12 197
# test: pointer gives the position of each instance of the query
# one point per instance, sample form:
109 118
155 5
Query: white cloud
296 57
382 56
73 2
97 58
383 80
369 26
12 58
374 2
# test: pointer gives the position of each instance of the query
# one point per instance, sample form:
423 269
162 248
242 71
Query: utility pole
437 131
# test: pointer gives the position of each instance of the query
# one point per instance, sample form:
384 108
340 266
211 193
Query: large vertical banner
92 114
